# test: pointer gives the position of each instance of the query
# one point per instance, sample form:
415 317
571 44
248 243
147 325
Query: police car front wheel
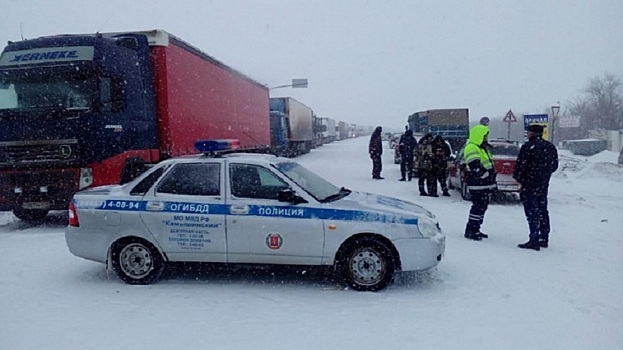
368 265
136 261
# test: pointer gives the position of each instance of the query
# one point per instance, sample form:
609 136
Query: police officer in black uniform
536 162
407 146
375 149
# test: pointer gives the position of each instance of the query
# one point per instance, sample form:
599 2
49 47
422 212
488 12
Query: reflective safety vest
486 181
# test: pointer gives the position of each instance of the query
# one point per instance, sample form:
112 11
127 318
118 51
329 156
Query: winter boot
473 236
530 245
446 194
402 179
543 243
483 235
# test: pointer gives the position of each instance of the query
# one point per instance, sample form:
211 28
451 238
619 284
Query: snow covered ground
483 295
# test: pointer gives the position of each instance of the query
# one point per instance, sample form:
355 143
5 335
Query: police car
241 208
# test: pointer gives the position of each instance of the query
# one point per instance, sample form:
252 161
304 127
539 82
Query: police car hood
373 202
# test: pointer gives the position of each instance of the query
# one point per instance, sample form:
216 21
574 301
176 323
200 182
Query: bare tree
601 104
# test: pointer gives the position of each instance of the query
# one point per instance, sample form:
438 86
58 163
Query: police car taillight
73 216
211 146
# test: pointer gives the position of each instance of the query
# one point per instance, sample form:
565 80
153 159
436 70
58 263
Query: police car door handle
239 209
155 206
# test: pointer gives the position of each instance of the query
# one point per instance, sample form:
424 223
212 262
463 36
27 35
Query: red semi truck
88 110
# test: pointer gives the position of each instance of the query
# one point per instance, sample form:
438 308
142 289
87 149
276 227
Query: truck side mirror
4 82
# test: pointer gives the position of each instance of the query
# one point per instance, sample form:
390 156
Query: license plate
36 205
508 188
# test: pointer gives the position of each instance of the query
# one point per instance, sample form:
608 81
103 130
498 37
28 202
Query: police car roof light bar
214 146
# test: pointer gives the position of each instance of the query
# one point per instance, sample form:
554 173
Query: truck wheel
465 192
136 261
368 265
30 215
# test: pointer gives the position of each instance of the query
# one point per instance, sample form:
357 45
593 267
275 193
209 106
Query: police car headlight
428 228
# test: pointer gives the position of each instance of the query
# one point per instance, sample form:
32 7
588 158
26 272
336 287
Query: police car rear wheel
136 261
368 265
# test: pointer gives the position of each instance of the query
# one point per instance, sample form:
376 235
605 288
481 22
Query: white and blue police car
241 208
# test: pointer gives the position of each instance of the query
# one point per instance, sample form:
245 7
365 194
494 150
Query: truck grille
36 152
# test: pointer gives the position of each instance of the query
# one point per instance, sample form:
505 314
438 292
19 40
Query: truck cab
66 105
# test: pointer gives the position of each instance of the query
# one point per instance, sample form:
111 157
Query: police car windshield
313 184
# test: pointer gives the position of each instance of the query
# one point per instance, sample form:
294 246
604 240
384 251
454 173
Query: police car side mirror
290 196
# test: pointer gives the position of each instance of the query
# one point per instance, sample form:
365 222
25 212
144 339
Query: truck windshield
313 184
26 91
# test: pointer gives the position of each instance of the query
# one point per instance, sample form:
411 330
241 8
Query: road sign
299 83
569 121
510 117
540 119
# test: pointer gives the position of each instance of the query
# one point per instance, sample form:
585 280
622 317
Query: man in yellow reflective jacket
480 178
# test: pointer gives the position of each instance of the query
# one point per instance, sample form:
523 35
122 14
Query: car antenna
21 30
103 24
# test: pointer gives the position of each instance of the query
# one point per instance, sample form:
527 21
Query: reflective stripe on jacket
480 172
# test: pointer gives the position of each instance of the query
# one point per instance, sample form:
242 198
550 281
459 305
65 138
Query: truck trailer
328 129
291 127
451 124
342 130
87 110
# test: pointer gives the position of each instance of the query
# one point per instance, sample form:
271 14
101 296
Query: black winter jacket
375 147
536 162
407 145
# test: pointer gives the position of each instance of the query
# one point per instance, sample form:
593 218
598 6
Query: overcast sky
373 62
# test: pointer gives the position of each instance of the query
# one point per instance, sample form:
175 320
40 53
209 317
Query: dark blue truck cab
74 112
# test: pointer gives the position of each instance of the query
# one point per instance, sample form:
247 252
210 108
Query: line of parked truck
86 110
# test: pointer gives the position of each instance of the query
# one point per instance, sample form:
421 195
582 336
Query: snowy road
485 295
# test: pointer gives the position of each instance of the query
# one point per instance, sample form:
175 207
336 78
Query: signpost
539 119
569 121
509 118
296 83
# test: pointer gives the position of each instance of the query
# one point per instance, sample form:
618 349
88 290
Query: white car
242 208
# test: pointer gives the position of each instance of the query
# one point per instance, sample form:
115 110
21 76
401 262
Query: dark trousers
480 203
406 167
441 175
426 177
377 165
535 206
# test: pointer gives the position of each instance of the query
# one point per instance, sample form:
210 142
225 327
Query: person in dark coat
441 152
424 166
536 162
407 146
375 149
480 177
